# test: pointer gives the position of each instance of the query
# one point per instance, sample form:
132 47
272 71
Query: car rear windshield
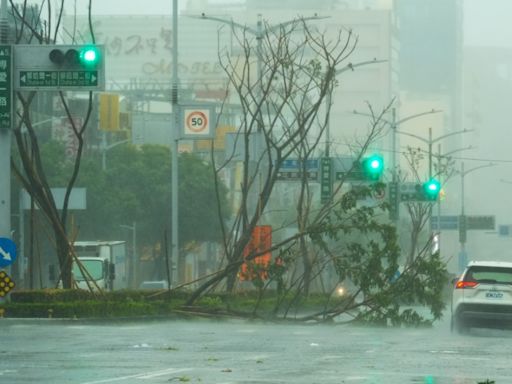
491 275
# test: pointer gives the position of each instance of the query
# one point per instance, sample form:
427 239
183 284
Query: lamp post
259 33
105 148
394 124
462 218
439 156
131 270
430 141
348 67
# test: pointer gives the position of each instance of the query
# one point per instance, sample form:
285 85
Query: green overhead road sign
481 222
411 191
394 206
58 79
356 175
325 179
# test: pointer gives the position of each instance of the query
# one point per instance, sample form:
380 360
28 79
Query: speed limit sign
197 122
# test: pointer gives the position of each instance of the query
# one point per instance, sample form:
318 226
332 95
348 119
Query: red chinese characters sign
260 244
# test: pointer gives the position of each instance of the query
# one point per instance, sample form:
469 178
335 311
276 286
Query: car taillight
465 284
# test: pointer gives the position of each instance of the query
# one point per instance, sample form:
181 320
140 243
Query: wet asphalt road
203 351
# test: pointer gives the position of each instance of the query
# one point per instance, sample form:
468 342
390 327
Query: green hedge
67 295
87 309
77 303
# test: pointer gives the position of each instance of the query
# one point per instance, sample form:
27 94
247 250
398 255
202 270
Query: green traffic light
431 189
373 167
89 56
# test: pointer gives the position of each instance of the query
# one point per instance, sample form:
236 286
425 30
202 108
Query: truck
106 263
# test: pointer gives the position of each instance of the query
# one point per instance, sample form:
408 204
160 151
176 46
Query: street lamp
131 270
105 148
348 67
447 156
462 219
394 124
259 32
430 141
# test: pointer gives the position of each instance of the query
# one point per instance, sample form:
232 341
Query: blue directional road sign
7 251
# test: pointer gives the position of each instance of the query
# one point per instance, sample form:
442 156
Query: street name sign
292 170
57 79
296 175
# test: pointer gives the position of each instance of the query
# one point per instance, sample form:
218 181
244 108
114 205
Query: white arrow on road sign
5 255
7 251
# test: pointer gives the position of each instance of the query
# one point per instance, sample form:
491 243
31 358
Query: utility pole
174 141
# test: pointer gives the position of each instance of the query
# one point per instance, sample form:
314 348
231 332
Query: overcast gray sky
487 22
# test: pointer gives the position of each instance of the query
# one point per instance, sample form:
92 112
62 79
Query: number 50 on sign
198 122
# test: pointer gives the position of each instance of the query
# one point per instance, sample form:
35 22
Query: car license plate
494 295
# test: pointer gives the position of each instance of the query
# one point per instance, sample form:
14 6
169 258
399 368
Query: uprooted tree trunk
30 171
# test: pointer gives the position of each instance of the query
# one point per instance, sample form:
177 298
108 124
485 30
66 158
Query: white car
482 296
